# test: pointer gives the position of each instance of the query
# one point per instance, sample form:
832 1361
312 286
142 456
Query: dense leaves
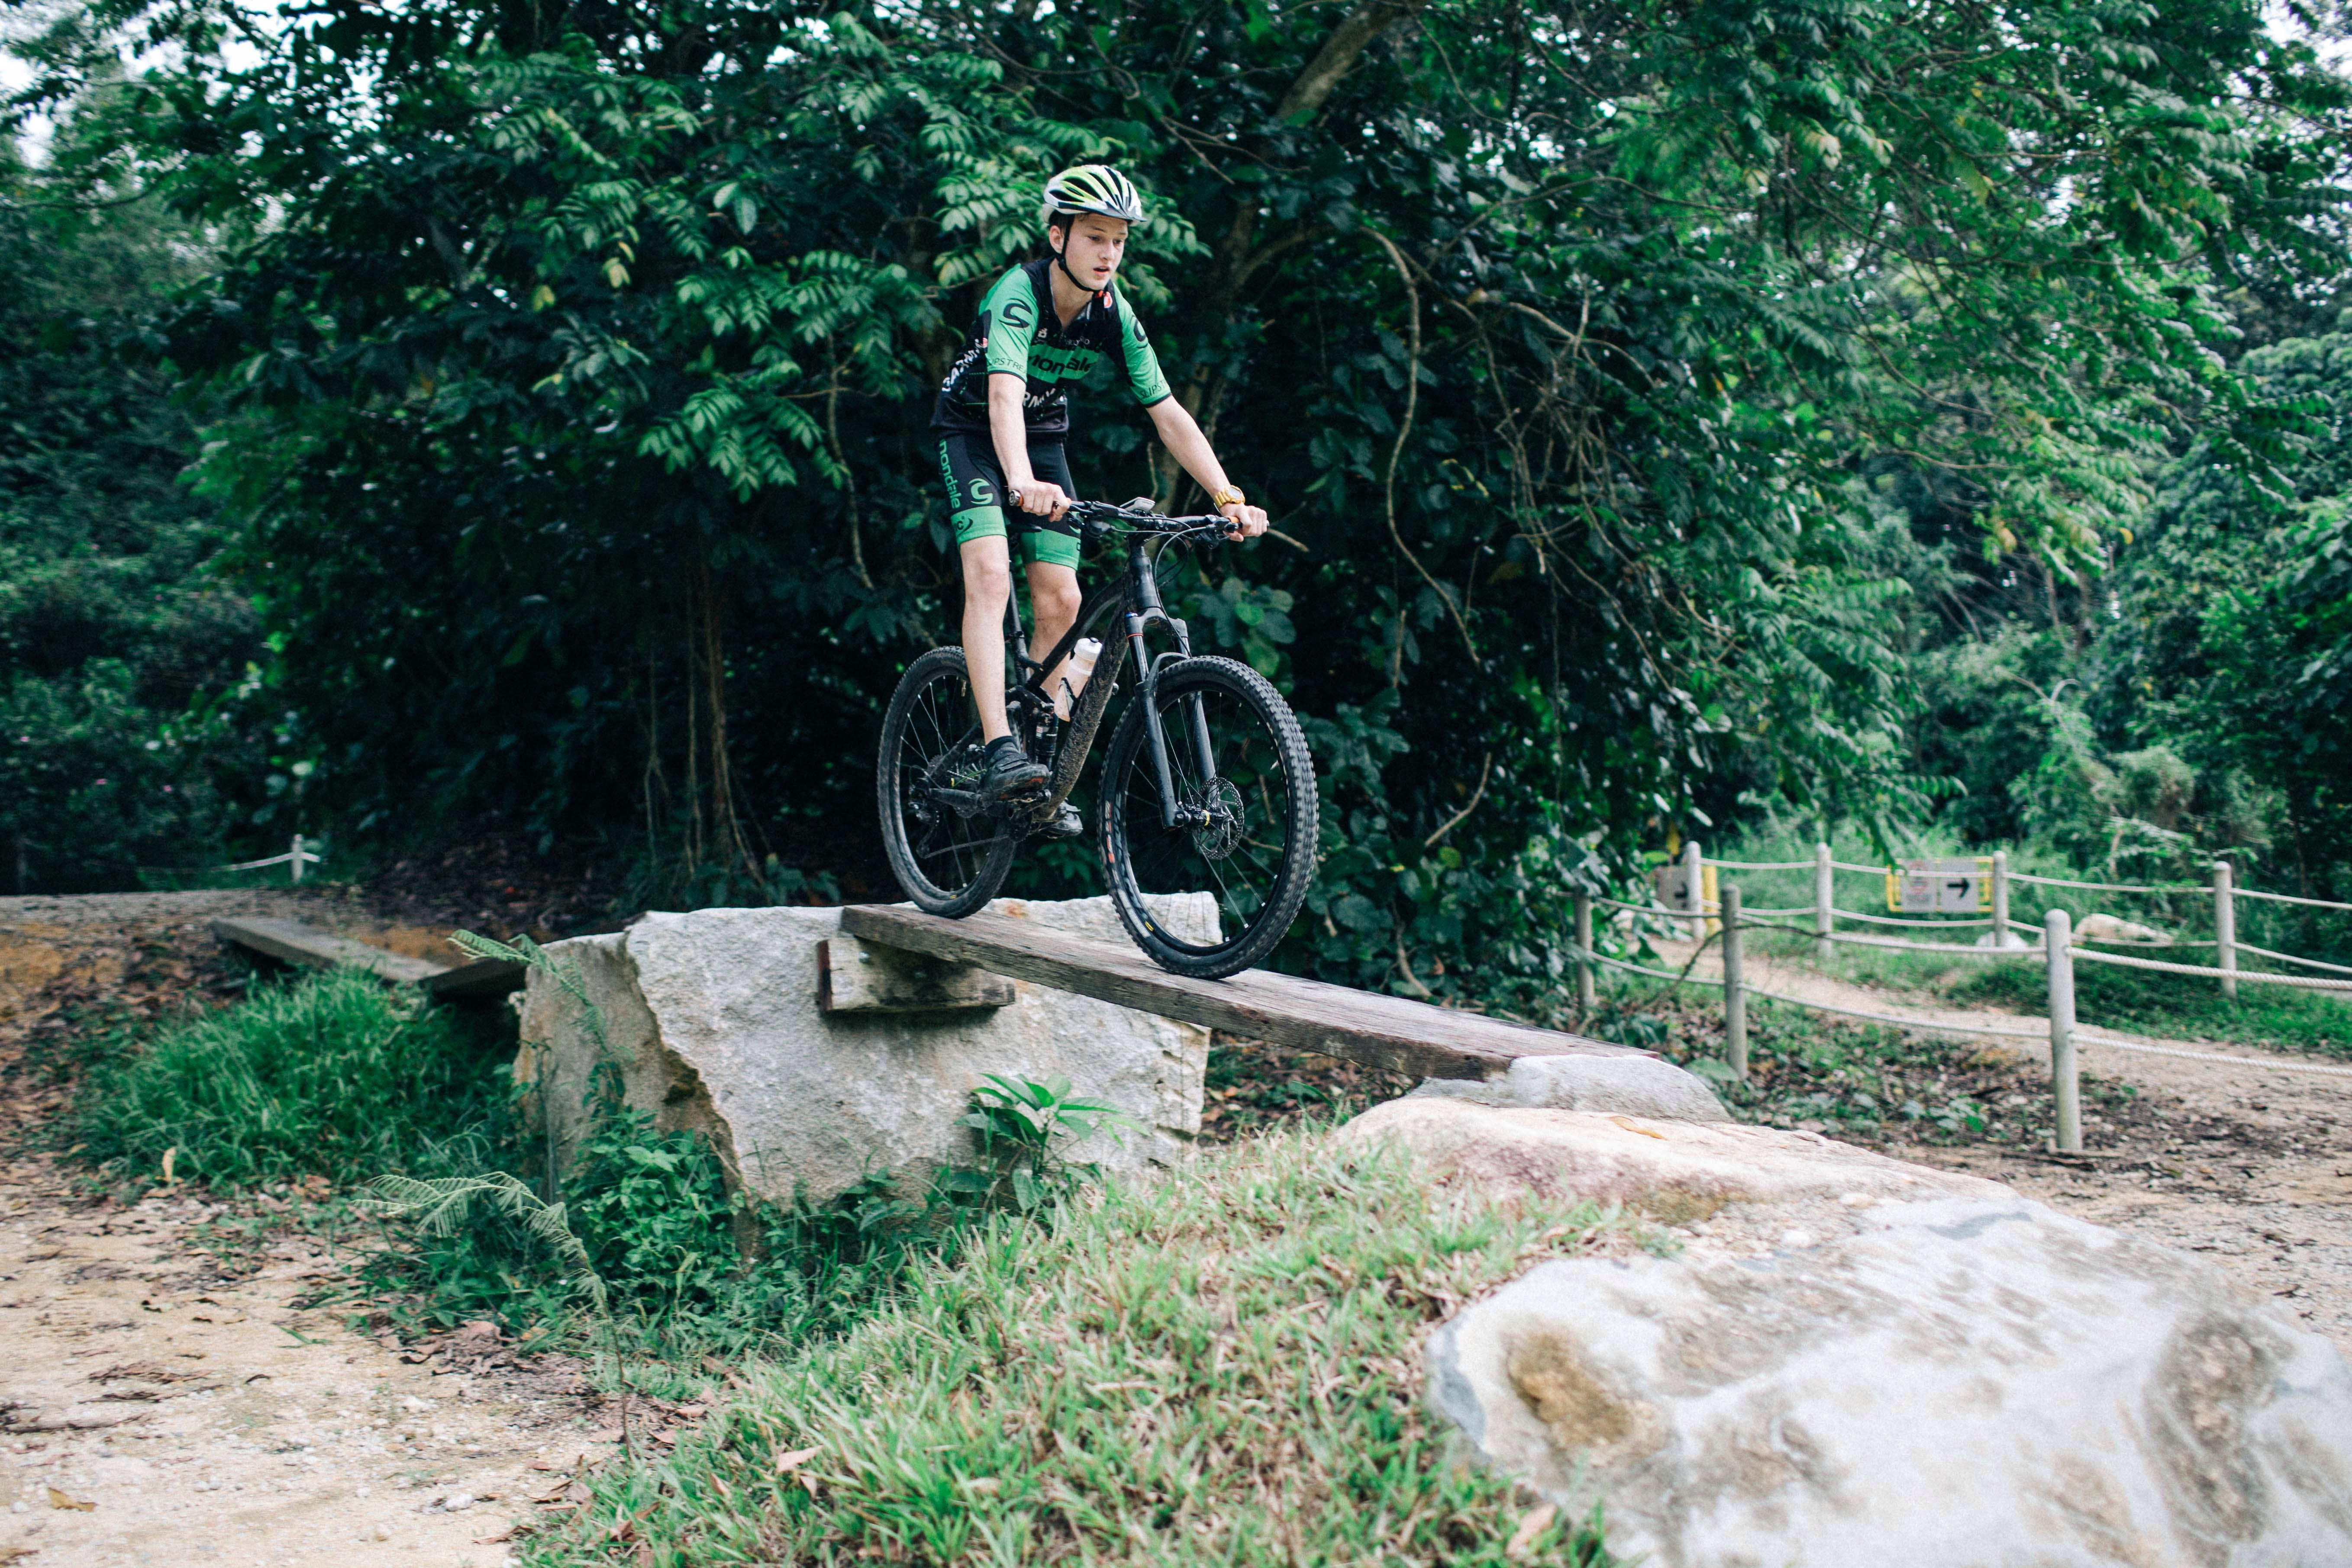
576 387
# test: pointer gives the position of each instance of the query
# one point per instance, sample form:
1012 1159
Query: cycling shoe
1009 773
1065 823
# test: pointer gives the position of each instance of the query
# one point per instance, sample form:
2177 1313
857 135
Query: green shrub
335 1075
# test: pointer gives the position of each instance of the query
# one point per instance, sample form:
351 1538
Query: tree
588 368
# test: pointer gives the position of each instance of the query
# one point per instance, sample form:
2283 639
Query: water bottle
1075 675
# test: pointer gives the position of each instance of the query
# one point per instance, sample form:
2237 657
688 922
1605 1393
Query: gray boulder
713 1021
1636 1086
1959 1382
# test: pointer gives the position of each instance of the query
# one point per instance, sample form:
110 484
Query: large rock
711 1020
1960 1382
1673 1170
1635 1086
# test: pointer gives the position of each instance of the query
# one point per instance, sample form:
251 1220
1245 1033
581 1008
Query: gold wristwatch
1229 495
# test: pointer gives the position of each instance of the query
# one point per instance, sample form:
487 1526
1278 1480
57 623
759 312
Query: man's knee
1054 592
987 576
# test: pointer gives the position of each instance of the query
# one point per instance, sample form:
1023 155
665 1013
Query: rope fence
1685 896
296 858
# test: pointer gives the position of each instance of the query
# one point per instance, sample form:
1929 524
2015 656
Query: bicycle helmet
1092 189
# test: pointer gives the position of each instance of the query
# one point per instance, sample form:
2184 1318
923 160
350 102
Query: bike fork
1147 608
1196 716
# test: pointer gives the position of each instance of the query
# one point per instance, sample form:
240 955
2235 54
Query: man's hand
1248 521
1044 498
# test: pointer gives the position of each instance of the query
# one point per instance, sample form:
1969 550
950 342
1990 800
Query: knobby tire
1259 885
915 731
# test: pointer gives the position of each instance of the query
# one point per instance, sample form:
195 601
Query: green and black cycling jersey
1019 333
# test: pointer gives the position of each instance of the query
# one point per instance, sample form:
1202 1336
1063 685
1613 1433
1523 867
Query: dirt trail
199 1411
2250 1165
203 1419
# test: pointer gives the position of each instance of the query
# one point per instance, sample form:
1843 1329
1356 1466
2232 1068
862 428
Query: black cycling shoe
1065 823
1009 773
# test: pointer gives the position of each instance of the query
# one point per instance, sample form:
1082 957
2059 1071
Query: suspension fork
1144 597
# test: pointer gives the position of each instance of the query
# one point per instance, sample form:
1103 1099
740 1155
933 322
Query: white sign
1938 888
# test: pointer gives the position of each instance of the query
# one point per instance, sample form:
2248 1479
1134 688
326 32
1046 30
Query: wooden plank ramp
294 942
1379 1031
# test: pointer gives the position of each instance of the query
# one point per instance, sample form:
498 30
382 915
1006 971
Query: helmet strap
1062 259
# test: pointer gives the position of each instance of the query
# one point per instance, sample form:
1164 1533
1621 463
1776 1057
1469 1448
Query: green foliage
334 1075
574 391
119 653
1159 1377
1020 1129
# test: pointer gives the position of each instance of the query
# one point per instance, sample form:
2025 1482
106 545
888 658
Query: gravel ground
196 1407
157 1414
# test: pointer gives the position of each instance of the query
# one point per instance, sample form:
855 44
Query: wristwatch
1229 495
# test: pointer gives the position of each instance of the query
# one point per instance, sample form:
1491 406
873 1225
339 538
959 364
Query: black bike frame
1138 595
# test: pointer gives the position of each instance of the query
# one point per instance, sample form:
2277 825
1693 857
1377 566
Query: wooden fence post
1824 900
295 864
2058 936
2000 898
2225 927
1584 964
1735 994
1695 887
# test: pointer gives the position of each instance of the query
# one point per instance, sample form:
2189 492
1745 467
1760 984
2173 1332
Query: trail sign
1940 887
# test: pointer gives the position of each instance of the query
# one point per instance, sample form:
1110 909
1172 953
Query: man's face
1093 248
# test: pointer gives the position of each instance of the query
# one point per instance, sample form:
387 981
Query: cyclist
1002 418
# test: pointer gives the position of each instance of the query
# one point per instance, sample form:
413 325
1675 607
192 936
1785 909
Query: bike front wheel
948 853
1245 816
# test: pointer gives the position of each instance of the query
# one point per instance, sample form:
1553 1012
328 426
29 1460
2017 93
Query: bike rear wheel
950 858
1247 836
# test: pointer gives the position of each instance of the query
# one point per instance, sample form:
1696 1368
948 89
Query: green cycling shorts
978 503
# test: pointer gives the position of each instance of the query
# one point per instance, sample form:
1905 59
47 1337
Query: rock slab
712 1022
1957 1383
1636 1086
1675 1170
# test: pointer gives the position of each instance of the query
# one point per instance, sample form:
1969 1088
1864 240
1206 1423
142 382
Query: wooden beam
1360 1026
298 943
478 980
853 976
294 942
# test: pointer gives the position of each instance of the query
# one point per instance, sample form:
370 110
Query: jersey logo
1017 314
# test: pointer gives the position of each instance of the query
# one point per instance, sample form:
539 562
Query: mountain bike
1207 785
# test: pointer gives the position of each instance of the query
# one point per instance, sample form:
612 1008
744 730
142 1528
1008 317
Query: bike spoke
1239 855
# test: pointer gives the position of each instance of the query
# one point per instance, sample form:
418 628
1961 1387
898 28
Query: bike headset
1095 188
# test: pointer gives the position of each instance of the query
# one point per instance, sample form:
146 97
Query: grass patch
2178 1006
1859 1083
1221 1367
334 1075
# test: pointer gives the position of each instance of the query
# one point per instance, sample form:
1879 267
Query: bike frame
1138 594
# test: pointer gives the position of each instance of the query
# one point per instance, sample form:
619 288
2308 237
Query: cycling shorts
978 501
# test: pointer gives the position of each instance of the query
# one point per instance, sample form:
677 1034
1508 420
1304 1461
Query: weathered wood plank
853 976
298 943
478 980
1360 1025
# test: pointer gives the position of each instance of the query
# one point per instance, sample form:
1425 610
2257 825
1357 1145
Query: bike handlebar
1099 520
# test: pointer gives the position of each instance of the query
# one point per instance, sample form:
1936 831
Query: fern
440 1208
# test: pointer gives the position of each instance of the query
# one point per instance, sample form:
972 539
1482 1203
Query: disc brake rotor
1220 805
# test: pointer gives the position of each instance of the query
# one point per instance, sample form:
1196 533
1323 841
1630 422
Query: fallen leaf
1523 1538
59 1500
1637 1127
511 1532
787 1463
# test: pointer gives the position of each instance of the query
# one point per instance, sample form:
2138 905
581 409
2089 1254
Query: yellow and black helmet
1092 189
